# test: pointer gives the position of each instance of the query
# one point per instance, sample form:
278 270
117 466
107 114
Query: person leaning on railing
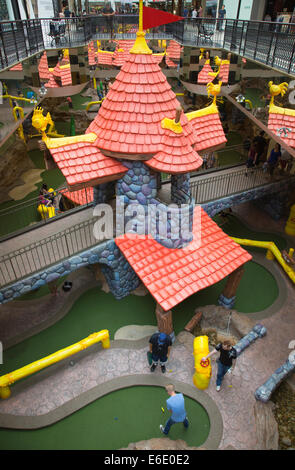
108 13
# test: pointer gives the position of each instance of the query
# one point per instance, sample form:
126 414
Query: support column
228 297
164 321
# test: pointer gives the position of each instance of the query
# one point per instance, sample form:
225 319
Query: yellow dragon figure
276 90
214 90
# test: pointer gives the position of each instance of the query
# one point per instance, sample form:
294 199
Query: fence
271 44
219 186
17 219
48 251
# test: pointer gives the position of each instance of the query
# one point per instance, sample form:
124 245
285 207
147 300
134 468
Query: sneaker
153 366
218 388
163 369
162 428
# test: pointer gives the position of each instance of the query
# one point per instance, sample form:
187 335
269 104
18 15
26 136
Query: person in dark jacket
160 344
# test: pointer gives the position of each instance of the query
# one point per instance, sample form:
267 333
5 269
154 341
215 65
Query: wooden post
164 320
233 282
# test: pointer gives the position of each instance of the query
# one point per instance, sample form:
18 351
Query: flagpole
140 22
140 45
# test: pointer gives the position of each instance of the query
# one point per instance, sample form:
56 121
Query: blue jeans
162 359
222 370
171 421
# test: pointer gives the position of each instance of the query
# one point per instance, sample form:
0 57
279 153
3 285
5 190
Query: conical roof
129 119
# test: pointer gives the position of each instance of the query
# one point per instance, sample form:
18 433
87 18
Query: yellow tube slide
272 252
202 375
30 369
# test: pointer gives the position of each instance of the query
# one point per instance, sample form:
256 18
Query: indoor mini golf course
105 423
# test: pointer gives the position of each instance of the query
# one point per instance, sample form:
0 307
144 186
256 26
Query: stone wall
214 207
119 275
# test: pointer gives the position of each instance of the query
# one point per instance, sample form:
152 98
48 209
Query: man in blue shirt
175 404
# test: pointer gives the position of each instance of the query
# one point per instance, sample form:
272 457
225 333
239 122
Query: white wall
45 9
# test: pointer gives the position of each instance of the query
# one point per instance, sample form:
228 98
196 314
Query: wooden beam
259 124
233 282
164 320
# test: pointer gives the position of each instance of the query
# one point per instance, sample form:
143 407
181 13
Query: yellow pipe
92 103
203 371
20 109
30 369
10 97
272 252
179 94
94 83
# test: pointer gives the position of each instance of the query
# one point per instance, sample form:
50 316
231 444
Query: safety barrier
269 43
8 379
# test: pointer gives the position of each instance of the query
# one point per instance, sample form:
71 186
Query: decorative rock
266 427
286 441
163 443
187 339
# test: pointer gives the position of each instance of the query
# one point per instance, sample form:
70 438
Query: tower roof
172 275
281 121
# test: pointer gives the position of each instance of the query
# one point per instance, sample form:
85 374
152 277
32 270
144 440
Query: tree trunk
164 320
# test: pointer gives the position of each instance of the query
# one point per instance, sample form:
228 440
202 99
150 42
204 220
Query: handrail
239 36
272 252
8 379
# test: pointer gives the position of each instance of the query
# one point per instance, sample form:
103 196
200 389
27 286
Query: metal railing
29 214
227 184
45 252
269 43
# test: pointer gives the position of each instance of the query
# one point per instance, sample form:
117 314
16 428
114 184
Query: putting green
28 214
111 422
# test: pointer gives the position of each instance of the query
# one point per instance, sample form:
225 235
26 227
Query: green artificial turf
254 94
227 156
112 422
79 103
235 228
20 218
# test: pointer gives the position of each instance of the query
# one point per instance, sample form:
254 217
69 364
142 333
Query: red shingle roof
172 275
203 76
174 50
207 127
80 197
91 54
170 63
16 68
129 118
281 122
52 83
224 72
122 51
176 155
66 76
43 69
82 162
105 58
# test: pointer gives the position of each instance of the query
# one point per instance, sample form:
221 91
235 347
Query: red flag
153 17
